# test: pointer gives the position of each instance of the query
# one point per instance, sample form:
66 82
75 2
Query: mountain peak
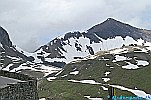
109 19
111 28
112 21
4 37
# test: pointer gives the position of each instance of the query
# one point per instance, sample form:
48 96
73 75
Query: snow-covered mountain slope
14 59
105 36
71 46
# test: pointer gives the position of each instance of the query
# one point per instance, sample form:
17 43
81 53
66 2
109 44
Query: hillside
127 69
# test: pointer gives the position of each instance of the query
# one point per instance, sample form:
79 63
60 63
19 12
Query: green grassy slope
61 89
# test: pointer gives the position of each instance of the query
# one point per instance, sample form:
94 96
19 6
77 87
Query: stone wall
24 90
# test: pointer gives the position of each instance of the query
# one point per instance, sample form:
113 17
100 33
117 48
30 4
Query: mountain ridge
85 43
73 46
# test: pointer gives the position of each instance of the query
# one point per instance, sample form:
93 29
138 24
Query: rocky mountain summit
76 45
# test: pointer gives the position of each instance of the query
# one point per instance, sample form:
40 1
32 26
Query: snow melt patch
42 68
139 93
104 88
7 68
111 67
130 66
85 81
49 70
107 64
64 75
148 45
120 58
74 73
51 78
42 99
71 50
88 97
141 62
107 73
105 79
59 73
23 67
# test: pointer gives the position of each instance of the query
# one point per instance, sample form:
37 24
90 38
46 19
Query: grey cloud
34 22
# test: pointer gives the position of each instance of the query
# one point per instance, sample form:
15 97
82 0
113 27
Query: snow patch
7 68
85 81
120 58
51 78
59 73
88 97
74 73
64 75
141 62
107 73
42 99
104 88
130 66
42 68
105 79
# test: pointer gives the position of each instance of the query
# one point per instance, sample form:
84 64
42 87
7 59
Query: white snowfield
109 44
105 45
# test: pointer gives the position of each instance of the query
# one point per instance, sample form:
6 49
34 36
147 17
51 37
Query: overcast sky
32 23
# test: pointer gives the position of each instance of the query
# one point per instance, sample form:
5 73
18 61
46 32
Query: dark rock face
112 28
72 35
90 50
4 37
